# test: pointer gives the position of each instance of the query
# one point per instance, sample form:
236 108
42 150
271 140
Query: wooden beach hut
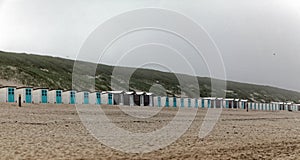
26 94
138 98
55 96
7 94
95 98
148 99
40 95
69 97
83 97
128 98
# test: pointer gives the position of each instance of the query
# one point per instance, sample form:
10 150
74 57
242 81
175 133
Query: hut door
174 102
72 97
28 95
196 103
182 102
202 101
109 98
189 102
146 100
98 98
159 101
137 100
208 103
86 97
58 97
11 95
167 101
44 96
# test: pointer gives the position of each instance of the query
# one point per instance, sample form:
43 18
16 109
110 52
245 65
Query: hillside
56 73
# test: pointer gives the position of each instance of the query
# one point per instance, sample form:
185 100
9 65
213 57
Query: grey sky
247 33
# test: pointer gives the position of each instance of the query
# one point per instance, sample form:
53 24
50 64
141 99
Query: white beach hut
256 106
200 103
40 95
180 102
95 98
196 102
138 98
148 99
26 94
219 103
298 107
192 102
106 98
183 102
7 94
157 101
83 97
243 103
128 98
55 96
69 97
236 103
117 97
173 101
228 102
165 101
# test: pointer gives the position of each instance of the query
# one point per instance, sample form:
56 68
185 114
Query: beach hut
116 97
282 106
157 101
173 102
269 107
163 101
196 103
206 102
259 106
251 105
180 102
138 98
7 94
243 103
128 98
289 106
294 107
219 102
264 106
105 99
26 94
298 107
213 102
192 102
273 106
186 102
166 101
55 96
95 98
40 95
69 97
236 103
148 99
202 103
83 97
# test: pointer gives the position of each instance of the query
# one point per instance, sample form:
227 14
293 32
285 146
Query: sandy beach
37 131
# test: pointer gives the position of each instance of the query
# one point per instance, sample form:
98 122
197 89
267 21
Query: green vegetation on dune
56 73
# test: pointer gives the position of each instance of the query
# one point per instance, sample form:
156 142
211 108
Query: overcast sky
259 41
